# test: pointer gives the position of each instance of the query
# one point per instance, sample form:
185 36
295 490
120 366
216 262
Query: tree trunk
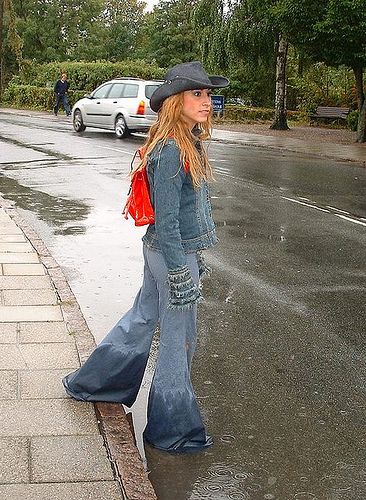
280 120
361 127
358 72
1 44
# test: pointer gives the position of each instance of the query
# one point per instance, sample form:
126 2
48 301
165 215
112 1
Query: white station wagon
122 105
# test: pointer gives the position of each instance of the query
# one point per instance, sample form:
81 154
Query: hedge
85 76
236 113
32 97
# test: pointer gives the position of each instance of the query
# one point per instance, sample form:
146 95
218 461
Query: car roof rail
127 78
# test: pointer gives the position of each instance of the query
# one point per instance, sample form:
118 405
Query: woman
178 171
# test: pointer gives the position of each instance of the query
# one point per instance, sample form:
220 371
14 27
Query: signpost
218 104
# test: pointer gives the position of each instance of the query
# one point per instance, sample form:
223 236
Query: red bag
138 203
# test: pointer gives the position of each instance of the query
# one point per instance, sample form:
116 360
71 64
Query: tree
246 34
280 119
123 20
211 26
9 37
332 31
54 30
170 36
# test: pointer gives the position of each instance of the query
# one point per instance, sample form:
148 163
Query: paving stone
44 331
29 297
69 458
9 228
11 358
16 247
103 490
24 282
8 333
12 238
49 356
42 384
14 466
50 417
30 313
23 269
8 386
18 258
3 215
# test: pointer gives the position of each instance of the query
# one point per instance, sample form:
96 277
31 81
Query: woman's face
196 106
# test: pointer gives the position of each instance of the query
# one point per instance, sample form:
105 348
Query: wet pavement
279 368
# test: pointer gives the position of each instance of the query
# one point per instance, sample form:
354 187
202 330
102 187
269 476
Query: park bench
330 113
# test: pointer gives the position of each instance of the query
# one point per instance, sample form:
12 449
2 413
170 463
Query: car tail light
141 108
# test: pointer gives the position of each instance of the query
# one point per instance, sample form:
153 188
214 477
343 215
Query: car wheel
77 122
120 127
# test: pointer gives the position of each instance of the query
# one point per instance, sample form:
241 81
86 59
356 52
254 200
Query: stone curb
112 420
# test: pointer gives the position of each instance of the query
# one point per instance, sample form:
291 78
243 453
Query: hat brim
176 86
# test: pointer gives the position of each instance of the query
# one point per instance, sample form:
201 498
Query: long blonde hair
171 124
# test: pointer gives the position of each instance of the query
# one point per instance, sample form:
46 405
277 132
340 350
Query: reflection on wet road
279 368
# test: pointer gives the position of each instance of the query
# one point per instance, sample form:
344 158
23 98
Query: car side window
102 92
130 90
116 91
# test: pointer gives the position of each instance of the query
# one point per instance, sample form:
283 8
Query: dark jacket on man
61 87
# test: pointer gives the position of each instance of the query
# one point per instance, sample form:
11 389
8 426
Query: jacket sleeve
55 89
169 176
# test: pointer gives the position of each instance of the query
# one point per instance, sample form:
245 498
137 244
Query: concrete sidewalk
51 446
350 152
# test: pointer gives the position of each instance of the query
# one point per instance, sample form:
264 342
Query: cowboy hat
185 76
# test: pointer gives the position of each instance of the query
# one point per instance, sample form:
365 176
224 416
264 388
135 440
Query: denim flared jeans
115 369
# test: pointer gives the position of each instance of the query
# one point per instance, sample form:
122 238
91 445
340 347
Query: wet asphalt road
280 365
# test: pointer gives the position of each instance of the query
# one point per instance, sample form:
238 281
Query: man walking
61 88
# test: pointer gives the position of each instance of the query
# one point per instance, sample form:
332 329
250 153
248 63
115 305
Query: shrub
32 97
85 76
33 87
352 120
321 85
246 113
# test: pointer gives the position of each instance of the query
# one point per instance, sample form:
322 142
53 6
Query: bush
352 120
33 87
85 76
32 97
246 113
254 84
321 85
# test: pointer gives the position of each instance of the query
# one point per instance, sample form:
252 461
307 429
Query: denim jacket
183 221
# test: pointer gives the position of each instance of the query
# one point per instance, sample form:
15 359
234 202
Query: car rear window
150 89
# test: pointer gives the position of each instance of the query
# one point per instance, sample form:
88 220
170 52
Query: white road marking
351 220
119 150
355 221
337 209
306 204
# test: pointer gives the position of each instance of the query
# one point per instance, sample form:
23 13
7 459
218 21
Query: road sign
217 103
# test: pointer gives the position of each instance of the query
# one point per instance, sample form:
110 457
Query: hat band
179 77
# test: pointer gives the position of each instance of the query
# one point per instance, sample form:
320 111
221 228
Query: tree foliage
169 37
332 31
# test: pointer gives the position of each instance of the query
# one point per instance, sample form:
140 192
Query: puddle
54 210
